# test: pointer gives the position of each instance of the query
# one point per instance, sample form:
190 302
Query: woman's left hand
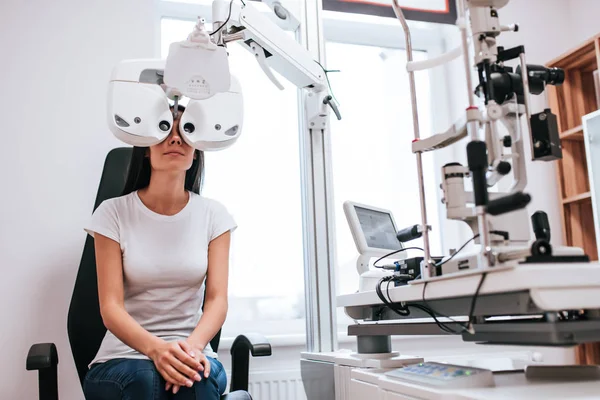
196 353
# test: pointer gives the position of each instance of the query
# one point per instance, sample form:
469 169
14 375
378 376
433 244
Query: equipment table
515 305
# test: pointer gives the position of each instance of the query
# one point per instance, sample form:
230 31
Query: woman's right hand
174 364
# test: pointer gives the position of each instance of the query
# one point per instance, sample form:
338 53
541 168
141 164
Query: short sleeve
221 221
104 221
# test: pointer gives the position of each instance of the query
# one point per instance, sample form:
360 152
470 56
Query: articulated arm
276 50
273 47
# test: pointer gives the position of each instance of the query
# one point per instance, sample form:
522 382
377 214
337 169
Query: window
371 146
258 180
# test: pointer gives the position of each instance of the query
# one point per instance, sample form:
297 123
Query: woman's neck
166 193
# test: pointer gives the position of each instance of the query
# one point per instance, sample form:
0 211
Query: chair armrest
255 343
43 357
244 345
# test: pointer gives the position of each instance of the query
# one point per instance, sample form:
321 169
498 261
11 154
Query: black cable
468 327
474 300
327 71
226 21
457 251
403 310
394 252
447 329
440 324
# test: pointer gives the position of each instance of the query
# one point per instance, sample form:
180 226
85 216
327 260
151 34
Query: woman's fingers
174 388
185 357
177 378
206 364
171 380
185 346
184 369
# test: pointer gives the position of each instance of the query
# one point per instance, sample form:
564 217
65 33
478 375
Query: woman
155 245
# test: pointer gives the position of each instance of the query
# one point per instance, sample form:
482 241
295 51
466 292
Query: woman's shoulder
118 203
207 202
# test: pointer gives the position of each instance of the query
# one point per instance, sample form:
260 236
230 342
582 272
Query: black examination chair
85 327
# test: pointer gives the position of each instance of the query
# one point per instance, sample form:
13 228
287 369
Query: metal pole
527 96
426 273
485 255
465 45
318 223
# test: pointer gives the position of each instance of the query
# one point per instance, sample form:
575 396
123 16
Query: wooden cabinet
571 101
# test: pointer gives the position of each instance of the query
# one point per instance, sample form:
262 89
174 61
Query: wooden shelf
573 134
570 101
577 198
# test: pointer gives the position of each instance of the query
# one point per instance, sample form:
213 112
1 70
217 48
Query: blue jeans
131 379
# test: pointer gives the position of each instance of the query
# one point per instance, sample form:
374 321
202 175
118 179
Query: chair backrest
84 324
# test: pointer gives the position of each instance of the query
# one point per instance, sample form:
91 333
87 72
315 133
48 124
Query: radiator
276 385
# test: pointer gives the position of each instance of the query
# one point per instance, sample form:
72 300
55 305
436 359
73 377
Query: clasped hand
180 364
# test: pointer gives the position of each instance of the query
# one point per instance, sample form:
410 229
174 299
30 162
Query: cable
469 327
394 252
457 251
403 310
327 71
226 21
474 301
440 324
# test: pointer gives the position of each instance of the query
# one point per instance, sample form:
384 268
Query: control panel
443 375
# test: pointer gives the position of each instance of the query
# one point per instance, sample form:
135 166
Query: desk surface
551 286
513 386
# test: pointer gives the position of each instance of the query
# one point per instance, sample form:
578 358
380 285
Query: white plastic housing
357 231
135 113
197 72
482 21
132 70
214 123
287 57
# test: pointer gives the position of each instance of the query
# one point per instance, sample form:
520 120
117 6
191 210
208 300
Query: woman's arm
168 357
215 298
109 264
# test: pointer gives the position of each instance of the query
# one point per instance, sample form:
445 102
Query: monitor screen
378 229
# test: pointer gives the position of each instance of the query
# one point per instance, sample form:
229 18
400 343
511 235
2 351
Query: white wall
583 20
56 61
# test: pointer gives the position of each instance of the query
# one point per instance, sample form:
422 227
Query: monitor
373 229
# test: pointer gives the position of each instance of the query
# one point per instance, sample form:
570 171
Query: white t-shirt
165 259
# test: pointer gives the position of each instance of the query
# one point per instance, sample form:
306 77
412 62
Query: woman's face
173 153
